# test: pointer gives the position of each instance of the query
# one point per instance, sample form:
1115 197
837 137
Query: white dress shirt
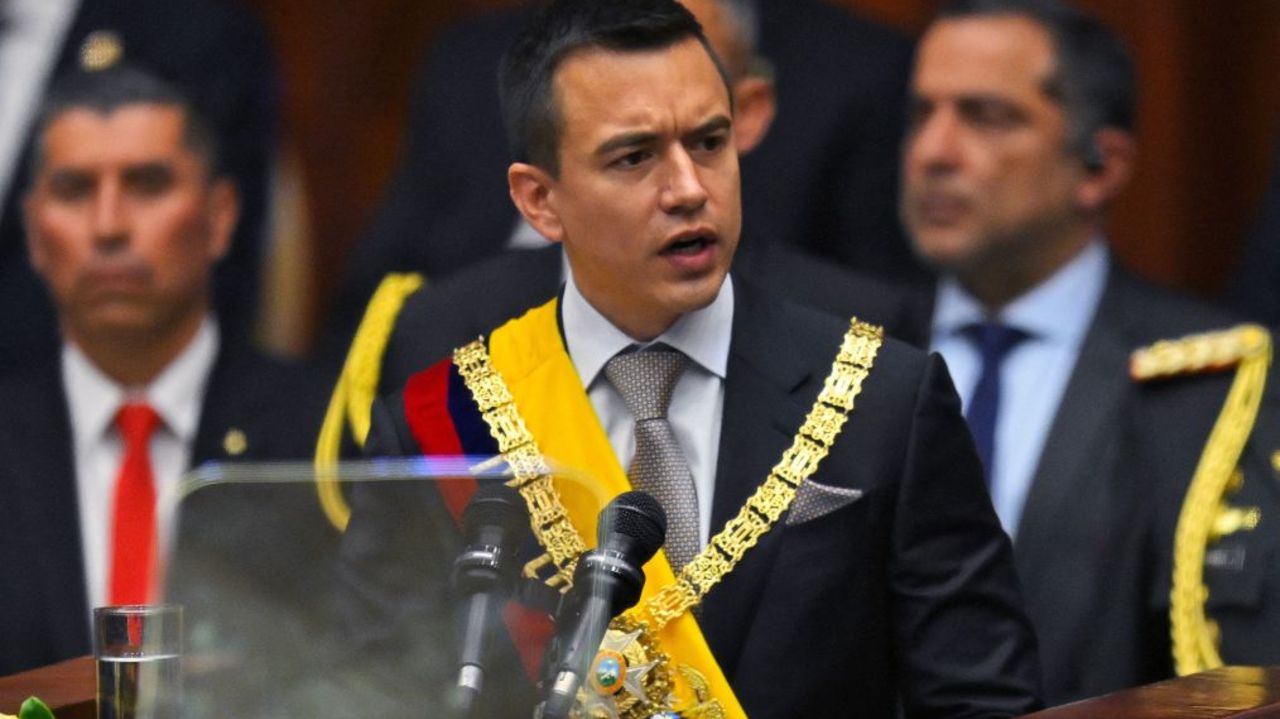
1057 315
698 400
31 37
177 395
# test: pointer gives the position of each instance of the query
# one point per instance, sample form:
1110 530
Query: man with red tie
127 214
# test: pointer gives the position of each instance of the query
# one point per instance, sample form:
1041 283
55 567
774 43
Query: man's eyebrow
626 139
148 166
712 126
642 138
56 173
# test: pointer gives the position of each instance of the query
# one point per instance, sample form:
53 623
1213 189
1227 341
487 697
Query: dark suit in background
1076 508
218 53
823 180
1254 291
44 613
909 588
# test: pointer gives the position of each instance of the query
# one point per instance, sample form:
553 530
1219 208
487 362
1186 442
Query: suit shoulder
259 406
819 334
31 390
1158 312
445 315
504 284
833 288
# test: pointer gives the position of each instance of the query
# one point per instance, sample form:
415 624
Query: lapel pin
235 443
100 50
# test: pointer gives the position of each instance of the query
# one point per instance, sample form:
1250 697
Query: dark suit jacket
1077 508
450 313
219 54
43 608
823 180
907 592
1253 289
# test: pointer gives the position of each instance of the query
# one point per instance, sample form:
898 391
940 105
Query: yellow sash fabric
529 355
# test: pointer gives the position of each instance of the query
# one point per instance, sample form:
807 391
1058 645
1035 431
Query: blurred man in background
126 216
1020 137
214 49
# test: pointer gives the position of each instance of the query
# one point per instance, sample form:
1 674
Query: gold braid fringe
357 385
1194 634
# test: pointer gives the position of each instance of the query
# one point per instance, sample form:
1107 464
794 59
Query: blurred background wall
1210 115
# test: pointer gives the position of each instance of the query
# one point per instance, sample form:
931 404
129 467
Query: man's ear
224 213
532 191
1107 170
757 103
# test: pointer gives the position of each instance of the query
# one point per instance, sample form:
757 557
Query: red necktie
133 525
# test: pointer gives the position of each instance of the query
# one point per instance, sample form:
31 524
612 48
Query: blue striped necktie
994 342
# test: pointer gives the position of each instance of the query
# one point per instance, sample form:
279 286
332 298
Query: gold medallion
631 678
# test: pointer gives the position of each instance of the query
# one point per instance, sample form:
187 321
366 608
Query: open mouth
689 245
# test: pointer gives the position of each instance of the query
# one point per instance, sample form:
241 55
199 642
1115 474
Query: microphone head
494 506
635 524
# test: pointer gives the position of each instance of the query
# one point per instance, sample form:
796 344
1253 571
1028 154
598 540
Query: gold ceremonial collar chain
630 655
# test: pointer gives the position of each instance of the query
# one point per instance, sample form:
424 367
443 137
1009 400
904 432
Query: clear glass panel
285 616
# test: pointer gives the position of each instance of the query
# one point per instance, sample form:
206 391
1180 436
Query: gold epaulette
353 395
1199 353
1194 634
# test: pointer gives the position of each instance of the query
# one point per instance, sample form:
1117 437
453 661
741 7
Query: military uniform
1197 580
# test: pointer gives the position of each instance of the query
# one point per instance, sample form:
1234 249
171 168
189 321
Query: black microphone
607 581
494 523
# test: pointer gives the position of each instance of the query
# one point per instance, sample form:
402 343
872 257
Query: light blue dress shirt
1057 314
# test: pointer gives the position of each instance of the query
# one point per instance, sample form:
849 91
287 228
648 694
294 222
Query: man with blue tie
1020 136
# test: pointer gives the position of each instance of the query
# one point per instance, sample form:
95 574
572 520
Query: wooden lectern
1243 692
69 688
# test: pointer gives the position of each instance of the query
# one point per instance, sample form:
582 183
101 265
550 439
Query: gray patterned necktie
646 381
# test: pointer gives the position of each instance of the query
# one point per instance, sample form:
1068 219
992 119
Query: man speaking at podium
866 569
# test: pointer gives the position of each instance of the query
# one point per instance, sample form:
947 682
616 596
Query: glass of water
138 649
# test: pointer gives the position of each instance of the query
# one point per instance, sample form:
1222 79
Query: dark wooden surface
1241 692
67 687
1230 692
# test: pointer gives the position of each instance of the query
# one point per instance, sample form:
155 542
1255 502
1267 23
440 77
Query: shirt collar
1061 308
176 394
593 340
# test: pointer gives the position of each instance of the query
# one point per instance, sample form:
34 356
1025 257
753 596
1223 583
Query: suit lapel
1083 425
762 411
216 410
43 472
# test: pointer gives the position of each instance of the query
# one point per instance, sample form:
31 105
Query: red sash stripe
445 421
426 399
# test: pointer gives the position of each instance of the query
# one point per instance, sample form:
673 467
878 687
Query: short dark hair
1094 77
107 90
529 113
